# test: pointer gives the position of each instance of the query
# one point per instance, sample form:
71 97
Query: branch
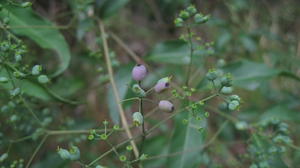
115 91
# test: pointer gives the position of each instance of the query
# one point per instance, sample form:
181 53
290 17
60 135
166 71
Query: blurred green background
258 39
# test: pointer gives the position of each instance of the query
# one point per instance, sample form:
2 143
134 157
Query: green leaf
110 7
249 75
172 52
187 140
122 79
22 22
177 52
281 112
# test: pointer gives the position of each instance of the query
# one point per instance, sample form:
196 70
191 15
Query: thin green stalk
191 55
36 150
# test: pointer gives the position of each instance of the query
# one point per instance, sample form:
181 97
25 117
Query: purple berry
166 105
162 84
139 72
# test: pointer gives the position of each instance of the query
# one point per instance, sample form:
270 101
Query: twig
191 56
115 91
36 150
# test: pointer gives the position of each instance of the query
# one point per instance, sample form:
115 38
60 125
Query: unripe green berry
211 74
143 157
226 80
226 90
235 97
178 22
43 79
138 90
63 153
36 70
191 9
184 14
241 125
199 18
103 136
129 148
233 105
122 158
91 137
116 127
137 118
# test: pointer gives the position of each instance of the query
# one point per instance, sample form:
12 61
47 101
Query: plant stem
36 151
115 91
191 55
143 125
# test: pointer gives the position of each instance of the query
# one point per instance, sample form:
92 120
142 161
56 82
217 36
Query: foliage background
259 39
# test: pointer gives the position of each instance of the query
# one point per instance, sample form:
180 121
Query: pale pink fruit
166 105
139 72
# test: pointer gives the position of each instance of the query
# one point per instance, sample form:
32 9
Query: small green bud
93 131
138 90
235 97
129 148
193 90
18 57
26 4
122 158
103 137
36 70
200 19
206 114
226 80
226 90
200 129
241 125
178 22
43 79
143 157
18 74
185 121
91 137
221 63
191 9
201 103
184 14
116 127
3 79
105 122
74 153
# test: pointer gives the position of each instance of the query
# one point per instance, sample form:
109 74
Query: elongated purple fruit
166 105
162 84
139 72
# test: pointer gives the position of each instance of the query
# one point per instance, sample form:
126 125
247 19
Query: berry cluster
139 72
